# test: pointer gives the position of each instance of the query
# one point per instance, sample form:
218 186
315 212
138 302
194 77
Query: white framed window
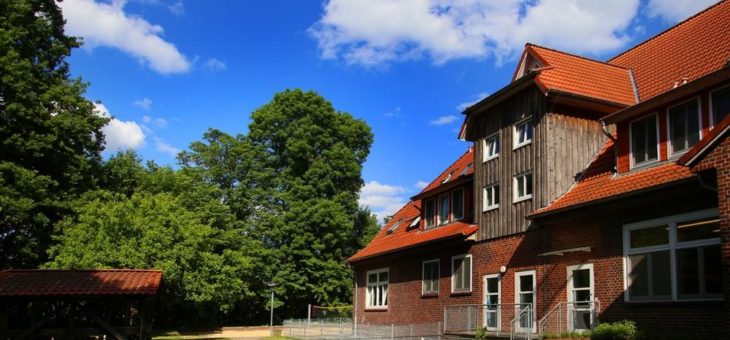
377 288
431 272
492 300
522 187
490 147
461 273
674 258
457 204
522 133
644 140
430 212
719 104
683 124
444 206
490 200
526 295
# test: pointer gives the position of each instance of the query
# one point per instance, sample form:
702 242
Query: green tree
312 156
50 137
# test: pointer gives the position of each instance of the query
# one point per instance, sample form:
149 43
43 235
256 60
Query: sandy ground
224 333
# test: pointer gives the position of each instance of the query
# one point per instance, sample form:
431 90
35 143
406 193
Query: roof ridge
578 56
667 30
18 270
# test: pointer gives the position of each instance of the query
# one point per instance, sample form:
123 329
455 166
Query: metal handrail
517 319
469 317
562 308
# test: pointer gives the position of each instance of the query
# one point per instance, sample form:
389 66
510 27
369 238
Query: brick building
594 191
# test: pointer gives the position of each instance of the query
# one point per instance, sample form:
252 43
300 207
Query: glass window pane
443 209
643 139
372 278
467 273
581 278
638 275
581 295
528 127
661 278
528 184
649 236
684 126
720 104
458 204
384 277
698 229
713 270
526 283
526 298
520 187
651 138
688 281
430 212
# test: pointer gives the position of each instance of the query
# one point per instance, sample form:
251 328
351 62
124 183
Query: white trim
423 276
515 137
496 136
486 207
670 151
671 246
518 276
632 165
471 272
368 284
515 183
711 111
591 289
485 301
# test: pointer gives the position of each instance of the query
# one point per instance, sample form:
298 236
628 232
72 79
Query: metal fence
345 328
498 319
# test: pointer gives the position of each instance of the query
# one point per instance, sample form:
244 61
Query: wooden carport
77 304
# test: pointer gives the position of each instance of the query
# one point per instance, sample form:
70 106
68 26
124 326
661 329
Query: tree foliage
50 137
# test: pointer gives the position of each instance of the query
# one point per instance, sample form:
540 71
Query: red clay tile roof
405 236
599 182
464 166
707 143
582 76
691 49
34 282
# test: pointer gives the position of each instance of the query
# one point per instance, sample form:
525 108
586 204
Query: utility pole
271 320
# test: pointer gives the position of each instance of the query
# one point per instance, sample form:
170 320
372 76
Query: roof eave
443 187
464 235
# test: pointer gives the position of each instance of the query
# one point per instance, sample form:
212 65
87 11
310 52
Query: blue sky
167 70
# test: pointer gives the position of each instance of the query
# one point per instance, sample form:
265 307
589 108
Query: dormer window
684 126
490 147
523 133
644 140
430 212
457 200
444 208
720 104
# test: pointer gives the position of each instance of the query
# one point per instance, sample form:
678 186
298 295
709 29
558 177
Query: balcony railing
498 319
570 316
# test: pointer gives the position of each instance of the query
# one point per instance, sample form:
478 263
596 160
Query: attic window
415 222
395 226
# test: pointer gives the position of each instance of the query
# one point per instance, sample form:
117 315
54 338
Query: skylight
395 226
415 222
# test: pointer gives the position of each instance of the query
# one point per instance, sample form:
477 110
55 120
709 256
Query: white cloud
393 113
676 10
444 120
214 64
421 184
119 134
463 106
163 147
144 103
383 199
159 122
106 24
375 32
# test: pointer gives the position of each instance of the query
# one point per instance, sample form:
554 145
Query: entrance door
491 302
580 296
525 297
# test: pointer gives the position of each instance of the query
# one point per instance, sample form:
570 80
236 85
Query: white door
525 296
580 297
491 302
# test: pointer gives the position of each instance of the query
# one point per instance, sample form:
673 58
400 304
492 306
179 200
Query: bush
622 330
481 333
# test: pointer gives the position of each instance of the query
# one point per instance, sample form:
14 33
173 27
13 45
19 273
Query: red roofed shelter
74 304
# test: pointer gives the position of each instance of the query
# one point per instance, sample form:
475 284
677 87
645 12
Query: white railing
521 324
345 328
495 318
569 316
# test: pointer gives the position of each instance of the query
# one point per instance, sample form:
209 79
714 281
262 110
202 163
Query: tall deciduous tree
50 137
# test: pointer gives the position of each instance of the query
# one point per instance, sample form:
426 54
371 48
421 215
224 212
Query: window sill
647 164
490 158
460 293
376 309
522 199
494 207
429 295
517 146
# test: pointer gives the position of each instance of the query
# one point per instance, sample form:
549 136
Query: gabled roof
690 49
88 283
461 168
572 74
599 182
717 135
406 237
